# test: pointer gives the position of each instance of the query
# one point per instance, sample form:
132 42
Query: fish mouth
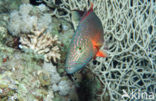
72 67
69 70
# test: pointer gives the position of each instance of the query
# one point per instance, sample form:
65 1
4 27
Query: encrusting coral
21 21
3 34
59 83
21 79
41 43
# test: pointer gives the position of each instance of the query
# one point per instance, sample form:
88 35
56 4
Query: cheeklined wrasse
85 43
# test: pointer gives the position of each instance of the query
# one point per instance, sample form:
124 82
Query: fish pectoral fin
96 45
101 54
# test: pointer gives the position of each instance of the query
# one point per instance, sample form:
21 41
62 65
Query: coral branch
42 43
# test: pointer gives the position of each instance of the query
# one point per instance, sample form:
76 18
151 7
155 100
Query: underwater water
35 36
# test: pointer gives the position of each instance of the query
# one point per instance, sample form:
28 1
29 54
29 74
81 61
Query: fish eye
79 48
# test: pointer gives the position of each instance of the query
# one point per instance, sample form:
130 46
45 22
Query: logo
138 95
125 94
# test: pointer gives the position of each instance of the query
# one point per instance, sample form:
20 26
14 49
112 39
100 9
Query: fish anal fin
101 54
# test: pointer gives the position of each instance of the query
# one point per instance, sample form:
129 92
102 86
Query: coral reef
23 78
41 43
19 80
3 19
7 5
26 76
63 87
22 21
3 34
58 84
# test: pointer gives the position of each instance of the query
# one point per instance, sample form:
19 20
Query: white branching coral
42 43
129 28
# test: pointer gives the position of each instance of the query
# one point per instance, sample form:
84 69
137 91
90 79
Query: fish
85 43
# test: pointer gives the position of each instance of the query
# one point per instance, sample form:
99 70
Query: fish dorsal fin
88 12
91 8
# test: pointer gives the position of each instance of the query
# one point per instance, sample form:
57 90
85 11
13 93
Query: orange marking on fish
101 54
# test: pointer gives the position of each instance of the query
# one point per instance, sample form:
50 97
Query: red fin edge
91 6
88 12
